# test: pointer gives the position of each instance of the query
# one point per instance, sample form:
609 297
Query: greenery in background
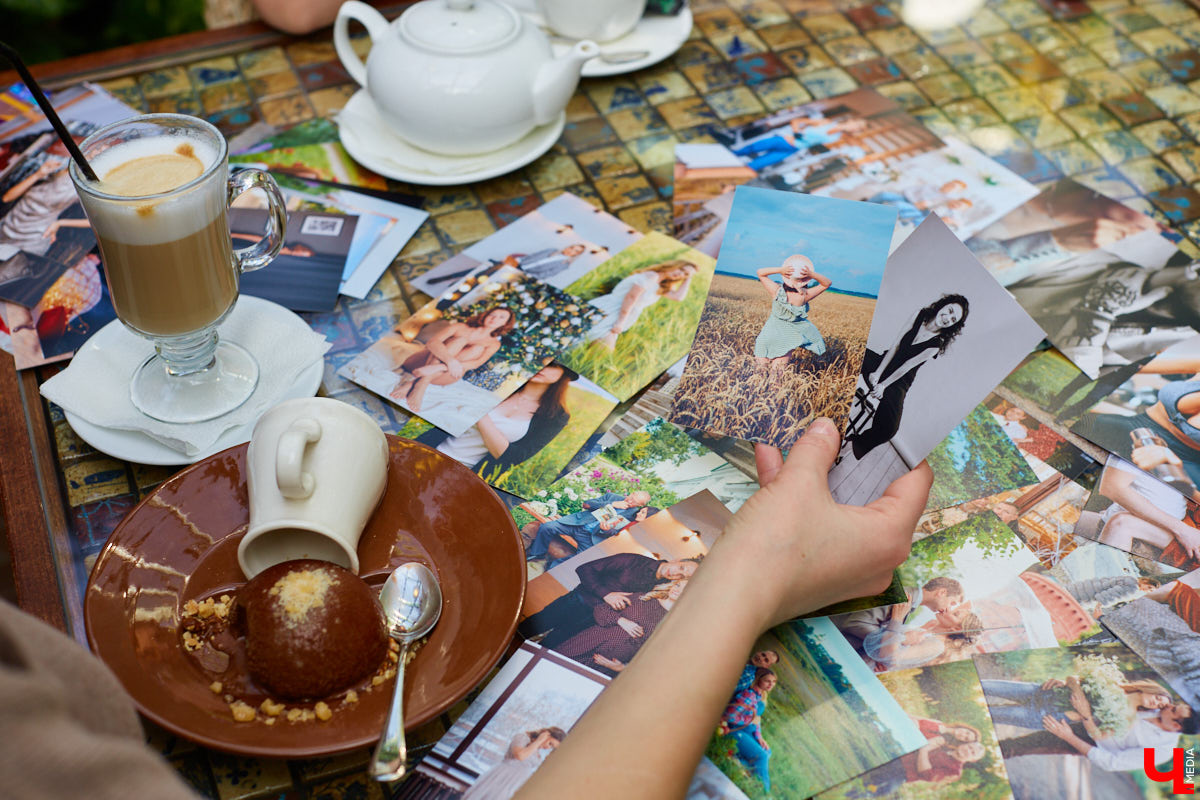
977 459
949 693
1040 378
46 30
937 553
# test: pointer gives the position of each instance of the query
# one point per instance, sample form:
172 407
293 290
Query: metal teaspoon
412 603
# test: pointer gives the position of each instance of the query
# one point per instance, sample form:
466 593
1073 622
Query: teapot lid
459 26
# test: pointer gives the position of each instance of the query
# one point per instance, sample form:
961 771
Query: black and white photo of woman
886 377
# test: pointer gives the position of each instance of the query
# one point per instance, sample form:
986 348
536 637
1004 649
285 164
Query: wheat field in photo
723 390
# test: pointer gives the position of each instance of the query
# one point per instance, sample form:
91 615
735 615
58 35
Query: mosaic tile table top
1110 96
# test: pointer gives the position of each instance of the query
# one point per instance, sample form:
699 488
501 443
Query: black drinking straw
47 109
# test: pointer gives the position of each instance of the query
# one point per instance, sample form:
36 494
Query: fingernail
823 426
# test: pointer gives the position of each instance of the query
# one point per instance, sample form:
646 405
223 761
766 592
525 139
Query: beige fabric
67 727
223 13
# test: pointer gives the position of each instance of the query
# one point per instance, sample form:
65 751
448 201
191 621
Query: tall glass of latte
159 213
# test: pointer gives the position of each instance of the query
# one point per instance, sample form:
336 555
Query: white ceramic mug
315 470
598 20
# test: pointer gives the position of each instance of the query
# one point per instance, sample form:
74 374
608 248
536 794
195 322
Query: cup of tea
159 211
598 20
315 470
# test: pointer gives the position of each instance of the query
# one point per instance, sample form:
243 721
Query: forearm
821 279
495 441
659 759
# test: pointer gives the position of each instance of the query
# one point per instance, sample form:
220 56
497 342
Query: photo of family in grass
807 715
652 468
967 190
941 350
650 297
1079 722
969 592
454 364
557 243
961 755
784 328
599 606
523 443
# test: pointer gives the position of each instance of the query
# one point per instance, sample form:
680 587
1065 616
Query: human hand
1090 234
608 524
900 611
1053 683
51 165
610 339
1148 456
455 368
634 630
1188 538
617 600
614 664
1080 703
792 524
51 230
1060 729
542 740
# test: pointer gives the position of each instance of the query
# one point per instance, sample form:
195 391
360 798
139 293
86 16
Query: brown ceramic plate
181 541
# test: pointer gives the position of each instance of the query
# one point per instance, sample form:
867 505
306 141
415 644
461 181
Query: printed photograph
1038 439
51 280
784 329
1152 418
659 464
1140 513
523 443
807 715
600 606
1161 623
969 592
1074 722
943 335
454 364
650 296
966 189
1050 381
861 135
519 718
976 459
557 243
309 150
306 274
961 755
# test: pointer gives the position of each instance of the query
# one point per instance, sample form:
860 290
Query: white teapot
460 77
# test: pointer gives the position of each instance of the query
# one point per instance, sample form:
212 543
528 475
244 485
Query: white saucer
142 449
660 35
515 156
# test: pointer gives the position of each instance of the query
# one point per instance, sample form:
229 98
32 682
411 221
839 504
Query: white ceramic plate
660 36
142 449
535 143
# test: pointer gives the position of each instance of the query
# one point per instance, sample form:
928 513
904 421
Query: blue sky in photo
847 240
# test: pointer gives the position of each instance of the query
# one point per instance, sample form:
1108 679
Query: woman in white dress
521 425
635 293
525 754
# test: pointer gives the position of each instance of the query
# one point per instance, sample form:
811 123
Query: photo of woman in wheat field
784 329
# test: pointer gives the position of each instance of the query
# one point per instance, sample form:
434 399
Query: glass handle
261 253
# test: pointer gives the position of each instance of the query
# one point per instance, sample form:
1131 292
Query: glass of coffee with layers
159 211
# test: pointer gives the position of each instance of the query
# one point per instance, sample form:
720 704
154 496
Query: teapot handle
377 28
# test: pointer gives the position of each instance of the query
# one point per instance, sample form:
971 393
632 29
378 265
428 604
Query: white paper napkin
95 386
366 131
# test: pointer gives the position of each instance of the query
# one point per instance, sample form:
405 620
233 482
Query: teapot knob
461 5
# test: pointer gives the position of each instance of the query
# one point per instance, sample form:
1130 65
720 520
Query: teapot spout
556 81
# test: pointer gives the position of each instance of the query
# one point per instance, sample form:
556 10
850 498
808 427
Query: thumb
815 451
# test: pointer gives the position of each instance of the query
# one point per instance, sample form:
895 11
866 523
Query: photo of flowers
453 363
651 295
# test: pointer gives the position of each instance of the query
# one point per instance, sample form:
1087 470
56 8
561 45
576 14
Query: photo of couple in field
783 333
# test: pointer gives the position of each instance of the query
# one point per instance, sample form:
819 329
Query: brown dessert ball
312 629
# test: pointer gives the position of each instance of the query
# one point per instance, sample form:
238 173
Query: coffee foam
155 221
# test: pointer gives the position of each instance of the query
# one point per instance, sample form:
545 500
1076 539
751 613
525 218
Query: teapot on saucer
460 77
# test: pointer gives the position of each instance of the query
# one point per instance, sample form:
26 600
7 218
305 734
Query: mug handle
293 482
261 253
377 28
